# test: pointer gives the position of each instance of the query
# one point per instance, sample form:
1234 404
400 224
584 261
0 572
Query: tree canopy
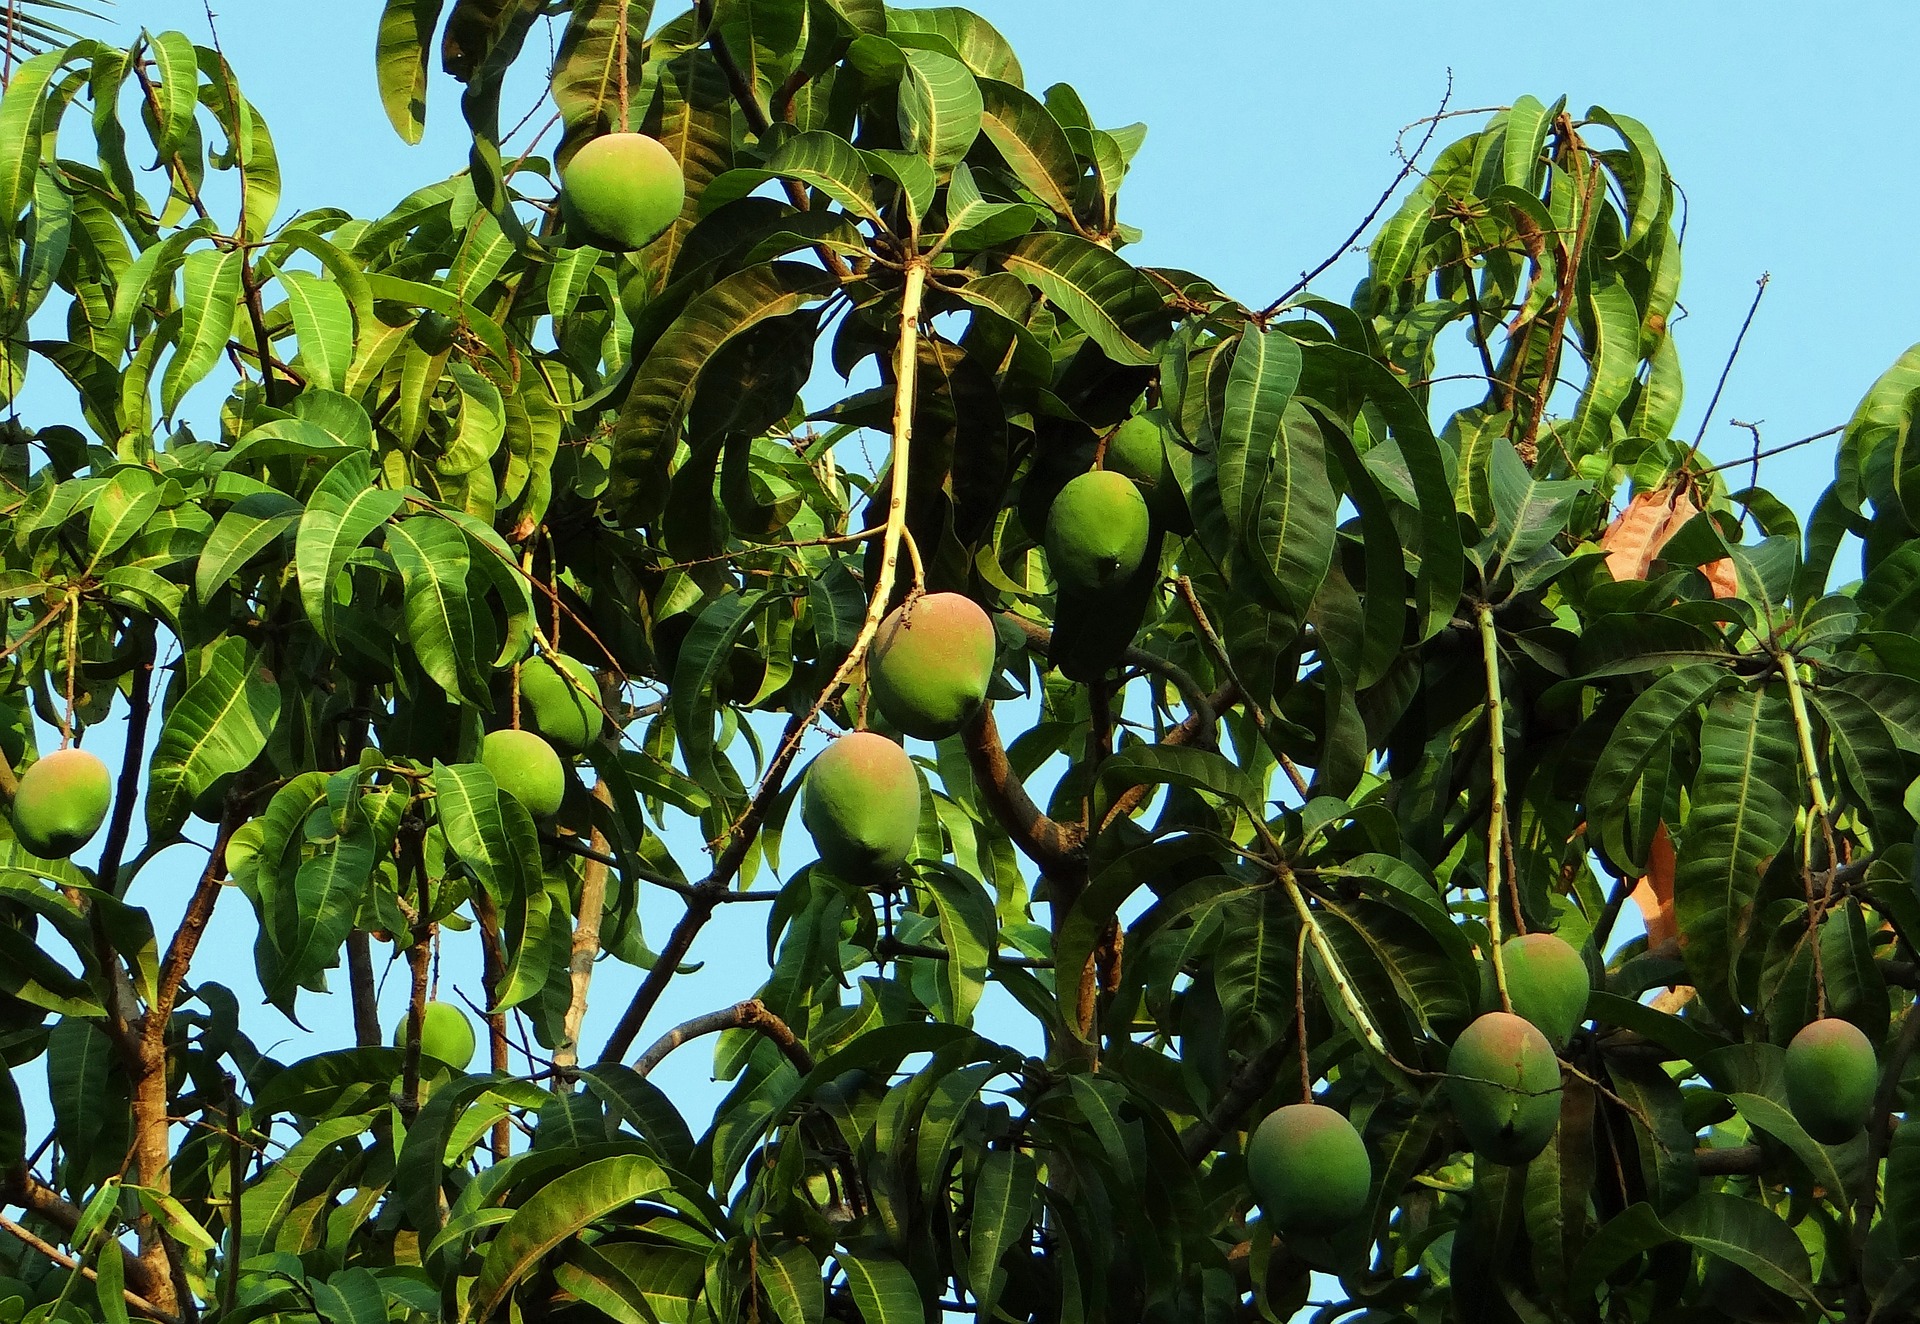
1279 781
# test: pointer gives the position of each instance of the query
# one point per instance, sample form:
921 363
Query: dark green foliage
1217 790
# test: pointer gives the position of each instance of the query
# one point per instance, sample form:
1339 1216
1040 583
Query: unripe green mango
622 190
861 803
1096 531
446 1035
1831 1077
1504 1082
559 700
1548 984
931 663
61 802
1309 1169
1138 449
526 768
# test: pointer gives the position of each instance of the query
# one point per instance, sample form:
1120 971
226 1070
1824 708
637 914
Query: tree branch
1055 848
586 940
749 1015
36 1197
65 1261
1197 702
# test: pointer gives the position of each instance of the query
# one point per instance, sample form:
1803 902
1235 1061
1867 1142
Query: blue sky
1272 127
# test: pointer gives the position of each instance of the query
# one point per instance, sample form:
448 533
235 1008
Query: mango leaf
940 108
968 932
432 556
218 726
883 1290
561 1209
1003 1192
664 383
1110 300
1260 385
400 63
1640 734
1032 143
209 302
1745 797
322 325
344 511
586 71
250 525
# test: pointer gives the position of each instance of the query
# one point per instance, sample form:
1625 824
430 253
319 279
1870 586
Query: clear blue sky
1272 125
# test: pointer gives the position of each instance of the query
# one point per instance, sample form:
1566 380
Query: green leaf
121 508
1003 1192
350 1296
1110 300
400 63
586 71
250 525
560 1209
1777 1121
883 1290
179 92
600 1285
22 110
790 1277
1745 797
1745 1232
968 931
1613 357
1260 385
763 38
664 383
327 892
1291 526
1032 143
218 726
818 159
1646 184
1523 164
940 108
210 301
1642 733
432 556
322 325
345 510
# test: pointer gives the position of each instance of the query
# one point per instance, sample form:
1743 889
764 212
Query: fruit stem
1497 813
1300 1014
1803 729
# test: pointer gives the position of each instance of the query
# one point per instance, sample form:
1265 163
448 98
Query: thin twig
1760 289
1769 454
1308 277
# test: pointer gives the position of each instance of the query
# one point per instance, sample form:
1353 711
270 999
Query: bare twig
749 1015
1308 277
1760 289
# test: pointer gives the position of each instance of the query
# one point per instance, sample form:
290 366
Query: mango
861 803
1309 1169
1504 1082
1547 982
1138 449
445 1036
61 802
931 663
526 768
1831 1077
559 700
621 190
1096 531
